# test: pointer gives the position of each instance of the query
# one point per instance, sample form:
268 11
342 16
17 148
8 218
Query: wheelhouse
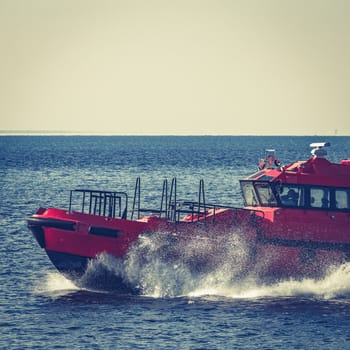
277 194
298 185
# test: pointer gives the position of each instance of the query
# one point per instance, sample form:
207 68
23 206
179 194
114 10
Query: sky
180 67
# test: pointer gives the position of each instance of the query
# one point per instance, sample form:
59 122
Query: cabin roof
315 171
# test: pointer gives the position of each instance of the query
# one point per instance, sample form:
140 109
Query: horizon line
91 133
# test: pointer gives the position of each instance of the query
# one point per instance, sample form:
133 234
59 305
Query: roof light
318 150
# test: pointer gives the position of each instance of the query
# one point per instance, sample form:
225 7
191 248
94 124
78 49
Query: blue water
40 309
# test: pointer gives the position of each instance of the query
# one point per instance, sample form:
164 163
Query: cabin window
249 194
342 199
292 196
319 197
256 175
267 197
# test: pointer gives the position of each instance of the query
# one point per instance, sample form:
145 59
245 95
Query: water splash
159 266
55 285
218 267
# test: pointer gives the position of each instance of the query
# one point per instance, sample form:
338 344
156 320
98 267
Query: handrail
201 197
172 208
115 204
103 203
137 194
164 200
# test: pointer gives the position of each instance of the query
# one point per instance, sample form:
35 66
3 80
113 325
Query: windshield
266 195
249 195
257 193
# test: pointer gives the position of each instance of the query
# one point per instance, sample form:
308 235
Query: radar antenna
318 150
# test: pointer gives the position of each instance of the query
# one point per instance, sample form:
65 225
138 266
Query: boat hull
80 270
74 242
268 250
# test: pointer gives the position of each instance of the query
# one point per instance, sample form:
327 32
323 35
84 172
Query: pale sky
187 67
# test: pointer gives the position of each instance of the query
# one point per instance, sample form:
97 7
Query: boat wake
336 284
157 266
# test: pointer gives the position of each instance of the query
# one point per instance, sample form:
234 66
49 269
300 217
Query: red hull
280 244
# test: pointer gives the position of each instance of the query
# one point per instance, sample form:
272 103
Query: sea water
177 309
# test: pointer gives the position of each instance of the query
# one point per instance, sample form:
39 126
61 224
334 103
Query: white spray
159 266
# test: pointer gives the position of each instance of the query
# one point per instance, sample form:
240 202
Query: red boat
295 223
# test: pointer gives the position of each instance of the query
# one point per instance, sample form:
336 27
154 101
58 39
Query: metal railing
114 204
173 209
103 203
